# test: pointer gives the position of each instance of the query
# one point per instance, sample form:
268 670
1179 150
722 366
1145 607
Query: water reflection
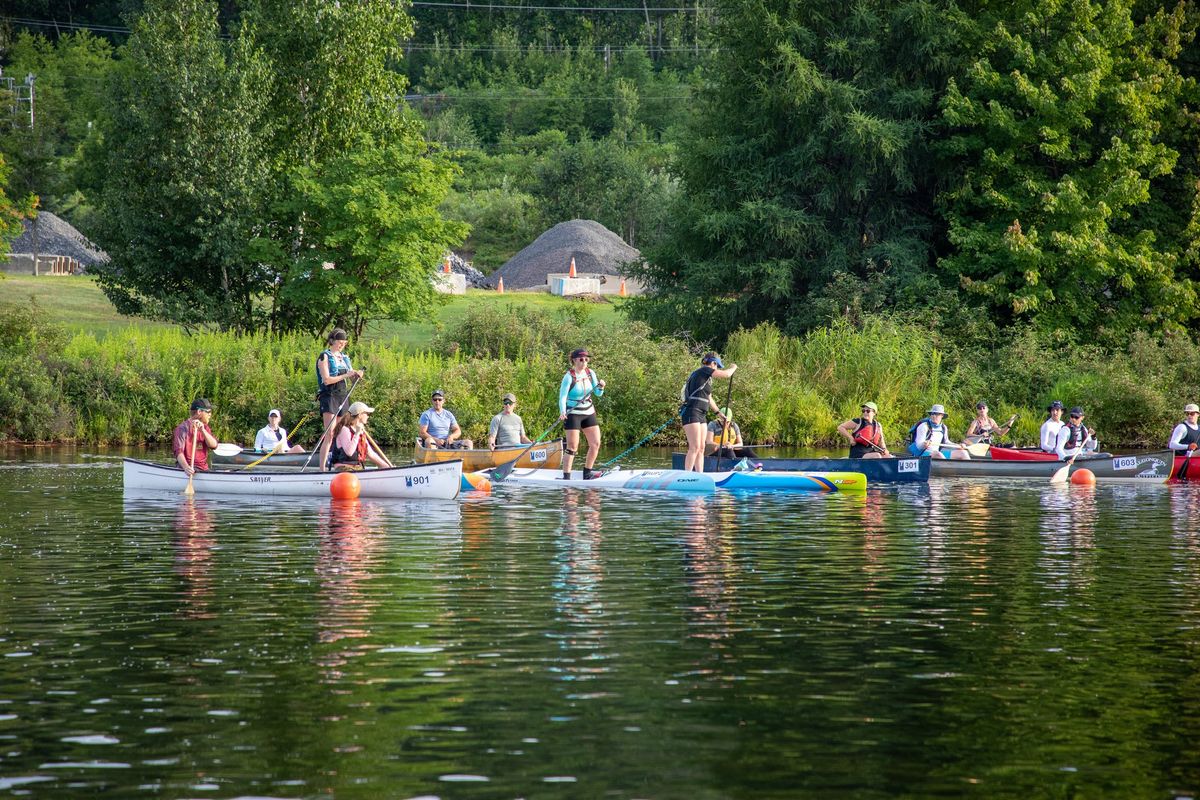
194 542
349 535
710 565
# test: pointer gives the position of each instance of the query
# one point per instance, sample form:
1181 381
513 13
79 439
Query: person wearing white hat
930 437
1186 435
352 445
273 438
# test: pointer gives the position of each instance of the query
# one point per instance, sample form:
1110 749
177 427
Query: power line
553 48
507 7
439 98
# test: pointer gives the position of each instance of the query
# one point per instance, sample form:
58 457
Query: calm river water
960 639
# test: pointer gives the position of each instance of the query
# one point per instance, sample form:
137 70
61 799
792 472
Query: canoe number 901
537 455
1129 462
416 480
908 465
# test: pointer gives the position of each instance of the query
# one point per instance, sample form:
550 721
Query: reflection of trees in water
348 535
710 565
1185 524
1067 529
194 543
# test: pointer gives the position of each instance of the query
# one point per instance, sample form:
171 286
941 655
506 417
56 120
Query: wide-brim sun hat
936 408
1191 408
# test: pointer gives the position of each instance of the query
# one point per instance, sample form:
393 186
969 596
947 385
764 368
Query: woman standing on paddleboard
697 401
575 409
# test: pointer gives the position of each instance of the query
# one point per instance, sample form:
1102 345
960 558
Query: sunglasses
1077 416
508 402
436 399
583 358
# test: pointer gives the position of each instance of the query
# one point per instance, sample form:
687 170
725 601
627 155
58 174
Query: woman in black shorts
575 409
335 377
697 400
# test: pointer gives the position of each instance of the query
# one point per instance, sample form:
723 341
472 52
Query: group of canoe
715 458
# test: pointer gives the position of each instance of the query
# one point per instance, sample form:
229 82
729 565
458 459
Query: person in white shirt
1186 435
1051 427
1074 439
274 438
930 435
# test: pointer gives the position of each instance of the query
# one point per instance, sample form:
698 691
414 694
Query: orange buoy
446 266
500 286
477 481
1083 477
571 274
344 486
621 291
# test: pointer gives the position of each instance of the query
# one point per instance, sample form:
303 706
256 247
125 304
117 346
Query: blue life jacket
941 426
339 364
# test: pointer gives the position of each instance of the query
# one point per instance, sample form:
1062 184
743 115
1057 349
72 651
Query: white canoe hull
431 481
645 480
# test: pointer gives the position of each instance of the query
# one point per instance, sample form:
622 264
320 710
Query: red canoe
1031 454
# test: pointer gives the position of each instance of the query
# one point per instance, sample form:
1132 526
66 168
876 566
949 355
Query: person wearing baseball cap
193 438
1050 428
439 427
1073 438
1186 436
865 434
273 438
697 399
352 445
575 409
930 438
507 428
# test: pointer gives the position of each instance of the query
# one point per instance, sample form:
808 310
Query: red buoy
344 486
1083 477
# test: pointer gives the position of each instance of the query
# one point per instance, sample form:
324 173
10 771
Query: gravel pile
596 250
475 278
56 237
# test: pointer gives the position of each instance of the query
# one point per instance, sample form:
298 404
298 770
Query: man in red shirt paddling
194 432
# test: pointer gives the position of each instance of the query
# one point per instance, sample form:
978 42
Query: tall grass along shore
133 385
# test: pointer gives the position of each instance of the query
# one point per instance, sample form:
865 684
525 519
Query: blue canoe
877 470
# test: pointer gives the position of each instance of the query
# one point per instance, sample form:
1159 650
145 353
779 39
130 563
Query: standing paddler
334 372
579 385
697 402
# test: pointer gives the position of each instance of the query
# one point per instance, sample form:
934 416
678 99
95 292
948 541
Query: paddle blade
1060 474
188 490
226 449
979 449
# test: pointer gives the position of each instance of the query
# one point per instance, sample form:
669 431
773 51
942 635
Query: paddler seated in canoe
273 439
1048 440
193 438
697 401
726 433
507 428
351 444
983 428
930 438
575 409
1074 439
439 427
1186 436
865 434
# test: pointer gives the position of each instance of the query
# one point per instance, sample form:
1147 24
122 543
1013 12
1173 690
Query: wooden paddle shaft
192 463
378 449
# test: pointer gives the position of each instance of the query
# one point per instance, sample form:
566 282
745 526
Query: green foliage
806 166
502 221
1055 130
367 236
12 211
187 172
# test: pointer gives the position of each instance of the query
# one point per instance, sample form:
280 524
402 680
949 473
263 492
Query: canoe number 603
1129 462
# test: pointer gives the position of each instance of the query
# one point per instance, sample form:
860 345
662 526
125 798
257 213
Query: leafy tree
186 171
369 235
806 168
1057 124
12 211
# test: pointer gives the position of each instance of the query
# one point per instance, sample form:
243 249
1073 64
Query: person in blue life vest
865 434
273 438
930 438
1186 435
439 427
579 385
335 377
1073 438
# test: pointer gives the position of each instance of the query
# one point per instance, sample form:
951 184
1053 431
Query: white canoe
435 481
646 480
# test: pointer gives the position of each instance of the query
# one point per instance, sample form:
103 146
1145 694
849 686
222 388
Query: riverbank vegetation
134 384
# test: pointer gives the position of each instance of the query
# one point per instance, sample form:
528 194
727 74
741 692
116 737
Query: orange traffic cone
446 266
500 286
621 291
571 274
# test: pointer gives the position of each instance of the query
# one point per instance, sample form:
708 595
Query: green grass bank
131 384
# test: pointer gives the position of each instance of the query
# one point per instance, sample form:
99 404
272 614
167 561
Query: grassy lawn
77 302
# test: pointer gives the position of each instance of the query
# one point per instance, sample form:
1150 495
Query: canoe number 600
537 455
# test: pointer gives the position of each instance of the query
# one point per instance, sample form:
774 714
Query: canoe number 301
537 455
416 480
908 465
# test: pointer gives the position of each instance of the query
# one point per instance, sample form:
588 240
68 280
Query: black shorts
331 402
693 414
577 422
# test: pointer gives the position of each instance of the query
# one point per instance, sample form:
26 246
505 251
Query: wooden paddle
227 450
329 427
1060 474
1181 474
188 490
979 449
378 449
275 449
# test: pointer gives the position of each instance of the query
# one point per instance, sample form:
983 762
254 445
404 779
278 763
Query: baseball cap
357 408
510 397
981 404
274 412
712 358
580 353
200 404
438 393
1076 412
727 414
1054 405
1191 408
871 406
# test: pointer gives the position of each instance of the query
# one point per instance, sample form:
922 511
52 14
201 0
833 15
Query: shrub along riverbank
133 386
